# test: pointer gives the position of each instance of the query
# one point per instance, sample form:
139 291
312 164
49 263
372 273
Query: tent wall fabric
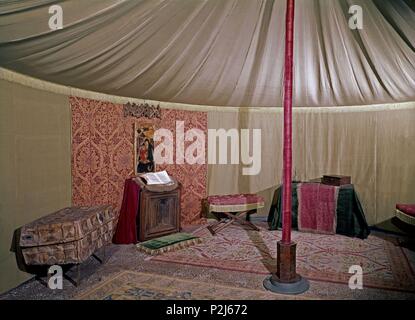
354 91
374 147
218 53
35 167
373 144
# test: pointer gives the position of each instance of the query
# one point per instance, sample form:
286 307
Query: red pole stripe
287 152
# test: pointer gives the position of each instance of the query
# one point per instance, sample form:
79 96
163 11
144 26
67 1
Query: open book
160 177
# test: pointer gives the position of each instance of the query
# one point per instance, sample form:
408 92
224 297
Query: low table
350 216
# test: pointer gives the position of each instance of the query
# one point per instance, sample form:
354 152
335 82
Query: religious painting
144 148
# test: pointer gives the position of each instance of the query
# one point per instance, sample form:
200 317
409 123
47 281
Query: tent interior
99 97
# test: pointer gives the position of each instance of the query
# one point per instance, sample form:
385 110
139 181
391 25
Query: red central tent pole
286 280
288 105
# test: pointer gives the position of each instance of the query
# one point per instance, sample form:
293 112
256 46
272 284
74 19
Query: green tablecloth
351 219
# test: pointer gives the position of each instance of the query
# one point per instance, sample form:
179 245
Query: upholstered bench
228 209
406 213
68 236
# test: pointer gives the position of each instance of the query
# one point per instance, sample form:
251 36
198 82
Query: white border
34 83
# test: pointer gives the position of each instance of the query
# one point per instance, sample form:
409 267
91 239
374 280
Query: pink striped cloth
317 204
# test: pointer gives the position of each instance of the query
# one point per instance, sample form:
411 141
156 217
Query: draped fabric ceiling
230 53
216 52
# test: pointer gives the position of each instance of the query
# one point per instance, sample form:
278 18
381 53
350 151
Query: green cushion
167 243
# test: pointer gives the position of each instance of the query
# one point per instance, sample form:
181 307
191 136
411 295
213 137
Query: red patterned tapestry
103 155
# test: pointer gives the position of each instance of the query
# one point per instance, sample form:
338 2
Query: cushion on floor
168 243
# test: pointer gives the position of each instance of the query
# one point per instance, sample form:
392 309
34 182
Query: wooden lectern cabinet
159 212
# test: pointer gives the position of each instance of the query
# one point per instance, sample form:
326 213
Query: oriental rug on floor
319 257
132 285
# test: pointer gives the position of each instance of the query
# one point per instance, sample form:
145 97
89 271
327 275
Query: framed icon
144 148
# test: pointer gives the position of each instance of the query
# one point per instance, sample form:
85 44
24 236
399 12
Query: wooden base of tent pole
286 280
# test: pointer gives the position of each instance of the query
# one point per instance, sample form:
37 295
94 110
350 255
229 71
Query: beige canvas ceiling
216 52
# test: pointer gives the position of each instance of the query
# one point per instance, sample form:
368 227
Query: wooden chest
70 235
336 180
159 214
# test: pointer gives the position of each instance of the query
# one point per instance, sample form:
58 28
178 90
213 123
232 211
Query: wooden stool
228 209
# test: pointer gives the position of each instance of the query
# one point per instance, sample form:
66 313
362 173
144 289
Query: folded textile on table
317 204
350 216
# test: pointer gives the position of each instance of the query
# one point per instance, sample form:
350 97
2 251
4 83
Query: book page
157 177
163 177
151 179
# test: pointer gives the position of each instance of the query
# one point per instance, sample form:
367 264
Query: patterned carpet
130 285
319 257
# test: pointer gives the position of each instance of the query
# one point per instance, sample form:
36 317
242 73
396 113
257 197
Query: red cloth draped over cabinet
126 228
